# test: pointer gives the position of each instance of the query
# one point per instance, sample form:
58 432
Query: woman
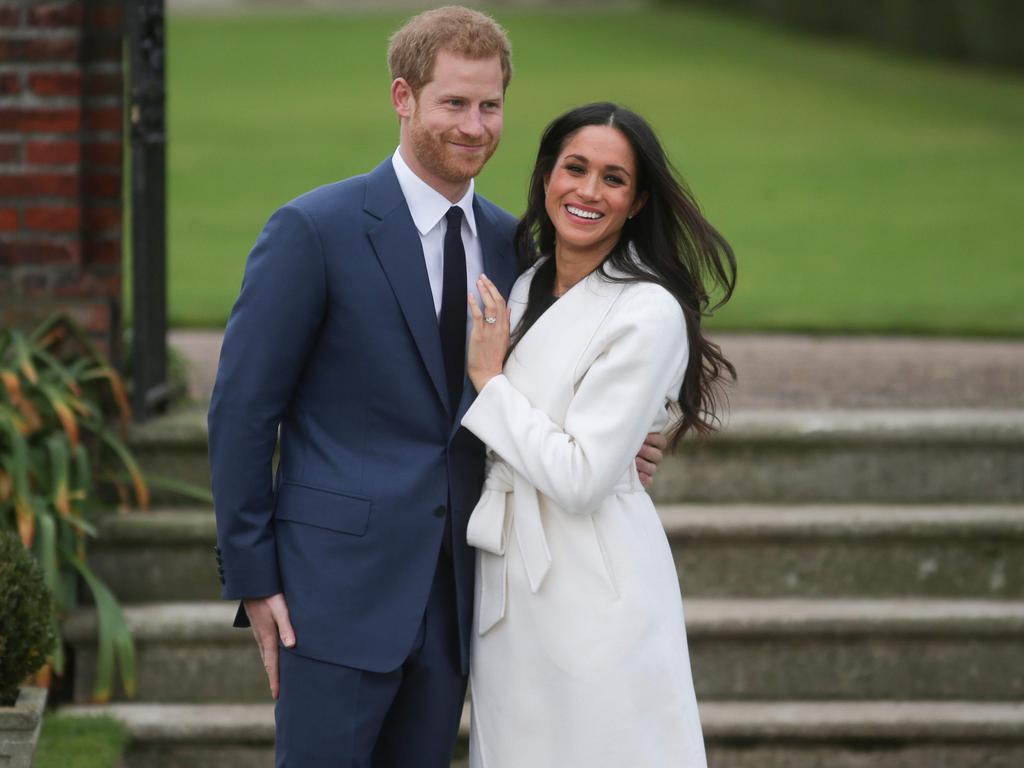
579 658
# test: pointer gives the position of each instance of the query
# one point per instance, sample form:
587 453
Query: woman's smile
585 214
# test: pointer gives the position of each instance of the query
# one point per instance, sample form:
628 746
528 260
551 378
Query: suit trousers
330 716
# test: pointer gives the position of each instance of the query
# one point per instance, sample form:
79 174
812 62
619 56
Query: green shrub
992 30
26 628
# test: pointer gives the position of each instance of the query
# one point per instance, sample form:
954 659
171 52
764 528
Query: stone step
871 456
972 551
157 556
814 551
770 456
752 649
792 734
174 446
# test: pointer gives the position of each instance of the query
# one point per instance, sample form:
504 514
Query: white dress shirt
428 208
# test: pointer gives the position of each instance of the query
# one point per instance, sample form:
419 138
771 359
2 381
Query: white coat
579 655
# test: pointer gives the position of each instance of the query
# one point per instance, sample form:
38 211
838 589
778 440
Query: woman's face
591 191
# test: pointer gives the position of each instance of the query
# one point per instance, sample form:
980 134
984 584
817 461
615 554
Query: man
349 338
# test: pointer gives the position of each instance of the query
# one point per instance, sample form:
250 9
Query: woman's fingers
490 291
474 310
489 339
488 299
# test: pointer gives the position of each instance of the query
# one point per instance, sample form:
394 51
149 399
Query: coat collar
586 305
596 282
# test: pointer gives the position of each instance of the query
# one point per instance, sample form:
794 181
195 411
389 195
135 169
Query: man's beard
439 158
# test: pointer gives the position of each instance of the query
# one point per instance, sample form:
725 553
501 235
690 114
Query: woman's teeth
583 214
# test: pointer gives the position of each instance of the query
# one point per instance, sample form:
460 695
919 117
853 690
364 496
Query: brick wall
61 117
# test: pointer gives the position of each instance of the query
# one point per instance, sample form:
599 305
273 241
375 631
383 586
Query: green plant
26 629
60 466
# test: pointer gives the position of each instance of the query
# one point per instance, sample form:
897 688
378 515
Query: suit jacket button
440 512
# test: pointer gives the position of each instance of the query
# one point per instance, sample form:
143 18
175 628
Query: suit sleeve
643 352
271 330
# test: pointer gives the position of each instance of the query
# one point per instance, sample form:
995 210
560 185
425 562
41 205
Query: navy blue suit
334 340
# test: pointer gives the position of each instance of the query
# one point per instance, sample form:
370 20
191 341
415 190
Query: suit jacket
333 351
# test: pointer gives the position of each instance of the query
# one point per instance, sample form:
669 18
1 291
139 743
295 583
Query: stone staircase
853 585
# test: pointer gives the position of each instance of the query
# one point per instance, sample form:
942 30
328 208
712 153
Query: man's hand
650 456
269 619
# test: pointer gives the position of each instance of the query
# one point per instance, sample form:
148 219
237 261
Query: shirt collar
426 204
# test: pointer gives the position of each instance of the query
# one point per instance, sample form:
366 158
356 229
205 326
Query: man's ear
638 204
402 98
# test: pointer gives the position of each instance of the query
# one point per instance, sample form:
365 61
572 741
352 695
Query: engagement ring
490 320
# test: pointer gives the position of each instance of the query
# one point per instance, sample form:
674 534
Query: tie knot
454 217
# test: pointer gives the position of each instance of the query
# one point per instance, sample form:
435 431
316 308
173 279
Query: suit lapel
397 245
499 253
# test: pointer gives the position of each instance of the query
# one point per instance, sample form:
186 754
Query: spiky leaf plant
61 462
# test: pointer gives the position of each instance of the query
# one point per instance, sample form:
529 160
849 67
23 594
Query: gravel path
810 372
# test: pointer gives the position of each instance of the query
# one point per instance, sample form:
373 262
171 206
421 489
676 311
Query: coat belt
488 529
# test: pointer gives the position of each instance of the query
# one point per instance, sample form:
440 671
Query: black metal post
149 198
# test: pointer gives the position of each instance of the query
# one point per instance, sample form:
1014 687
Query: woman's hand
488 340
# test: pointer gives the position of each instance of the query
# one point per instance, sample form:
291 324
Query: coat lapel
577 316
397 245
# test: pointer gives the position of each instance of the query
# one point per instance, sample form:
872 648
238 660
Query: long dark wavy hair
674 246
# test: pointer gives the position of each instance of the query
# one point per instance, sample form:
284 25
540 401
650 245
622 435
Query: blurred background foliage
986 31
864 190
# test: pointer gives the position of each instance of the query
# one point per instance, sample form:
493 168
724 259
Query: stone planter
20 726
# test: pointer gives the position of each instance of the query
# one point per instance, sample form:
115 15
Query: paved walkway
813 372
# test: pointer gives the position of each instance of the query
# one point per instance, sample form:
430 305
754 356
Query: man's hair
474 35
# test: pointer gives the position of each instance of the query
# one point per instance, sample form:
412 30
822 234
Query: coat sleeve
270 332
642 353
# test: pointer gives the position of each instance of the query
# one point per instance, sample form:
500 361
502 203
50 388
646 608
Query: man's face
456 120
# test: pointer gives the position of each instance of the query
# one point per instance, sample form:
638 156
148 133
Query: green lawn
862 191
68 741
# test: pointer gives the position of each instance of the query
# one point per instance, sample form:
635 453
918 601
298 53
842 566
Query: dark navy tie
453 308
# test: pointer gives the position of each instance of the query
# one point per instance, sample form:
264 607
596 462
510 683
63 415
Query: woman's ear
638 204
547 181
